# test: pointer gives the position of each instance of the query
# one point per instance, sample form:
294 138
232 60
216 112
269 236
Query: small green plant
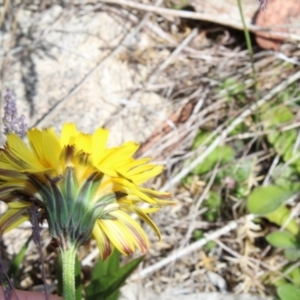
269 201
213 205
198 235
221 155
180 4
234 90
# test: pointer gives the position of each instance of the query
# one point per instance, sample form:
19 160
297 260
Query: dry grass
186 63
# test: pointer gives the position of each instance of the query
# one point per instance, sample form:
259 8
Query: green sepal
85 195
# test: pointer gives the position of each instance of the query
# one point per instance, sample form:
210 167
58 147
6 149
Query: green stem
249 47
250 51
68 268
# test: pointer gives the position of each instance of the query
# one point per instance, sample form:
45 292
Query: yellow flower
80 187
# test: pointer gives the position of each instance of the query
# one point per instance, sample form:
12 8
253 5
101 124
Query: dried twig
227 130
198 204
192 247
180 47
204 17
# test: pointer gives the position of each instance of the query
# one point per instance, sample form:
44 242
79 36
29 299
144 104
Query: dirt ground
154 77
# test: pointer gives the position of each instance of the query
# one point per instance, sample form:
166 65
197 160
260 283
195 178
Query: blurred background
178 77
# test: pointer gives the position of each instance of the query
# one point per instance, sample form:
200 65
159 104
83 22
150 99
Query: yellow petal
107 171
19 155
46 146
130 164
144 173
143 216
68 131
118 234
134 189
117 156
18 204
137 234
84 142
103 243
99 141
12 219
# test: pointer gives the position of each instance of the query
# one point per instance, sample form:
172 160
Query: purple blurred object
11 121
262 4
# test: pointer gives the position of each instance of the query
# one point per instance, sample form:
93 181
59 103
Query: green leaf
280 281
239 171
286 177
221 155
232 89
288 292
282 239
276 115
14 269
281 216
198 234
295 276
292 254
214 200
283 142
242 170
78 284
106 285
266 199
200 139
213 203
102 268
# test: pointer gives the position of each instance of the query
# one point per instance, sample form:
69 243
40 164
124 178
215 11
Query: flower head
81 187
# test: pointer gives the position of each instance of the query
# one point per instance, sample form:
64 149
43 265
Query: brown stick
205 17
